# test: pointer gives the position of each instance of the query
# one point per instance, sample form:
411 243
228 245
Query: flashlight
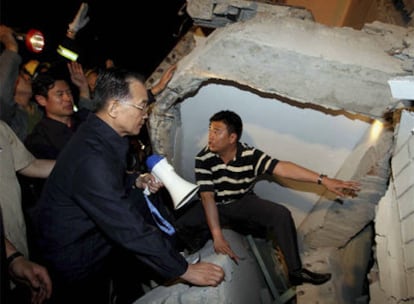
33 39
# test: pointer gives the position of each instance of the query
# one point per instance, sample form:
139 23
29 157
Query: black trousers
94 289
249 215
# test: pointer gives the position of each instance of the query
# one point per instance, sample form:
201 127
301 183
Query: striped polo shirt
231 181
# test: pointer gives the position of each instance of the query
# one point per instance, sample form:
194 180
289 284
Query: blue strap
161 222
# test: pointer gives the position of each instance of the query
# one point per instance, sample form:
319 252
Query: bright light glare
376 129
35 41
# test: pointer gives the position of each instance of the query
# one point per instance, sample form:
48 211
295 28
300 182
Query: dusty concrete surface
244 283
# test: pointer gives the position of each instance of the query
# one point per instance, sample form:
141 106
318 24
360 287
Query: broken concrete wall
343 226
298 59
393 275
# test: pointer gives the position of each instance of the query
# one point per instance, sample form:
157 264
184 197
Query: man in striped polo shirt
226 171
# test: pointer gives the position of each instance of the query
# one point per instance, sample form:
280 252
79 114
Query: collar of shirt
238 152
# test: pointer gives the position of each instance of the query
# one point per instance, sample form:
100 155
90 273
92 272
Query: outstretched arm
79 21
39 168
293 171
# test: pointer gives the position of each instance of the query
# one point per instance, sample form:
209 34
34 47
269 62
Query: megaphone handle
161 222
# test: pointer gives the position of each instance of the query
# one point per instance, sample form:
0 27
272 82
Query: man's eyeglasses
144 109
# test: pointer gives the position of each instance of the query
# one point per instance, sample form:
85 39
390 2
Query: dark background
135 34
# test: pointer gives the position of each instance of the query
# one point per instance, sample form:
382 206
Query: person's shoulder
245 150
11 57
205 150
3 124
43 125
50 125
42 131
5 128
245 146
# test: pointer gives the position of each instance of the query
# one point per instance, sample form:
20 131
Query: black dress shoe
303 275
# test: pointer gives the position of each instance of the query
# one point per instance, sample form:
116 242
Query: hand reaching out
340 187
7 39
165 79
81 18
79 79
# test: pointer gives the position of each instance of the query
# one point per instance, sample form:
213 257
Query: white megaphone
180 190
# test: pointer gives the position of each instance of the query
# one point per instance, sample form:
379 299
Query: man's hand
340 187
78 78
148 181
204 274
165 79
222 246
33 275
7 39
